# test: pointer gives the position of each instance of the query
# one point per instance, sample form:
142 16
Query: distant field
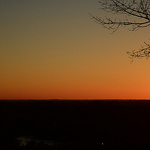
76 124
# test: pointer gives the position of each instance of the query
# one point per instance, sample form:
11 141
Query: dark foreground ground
74 125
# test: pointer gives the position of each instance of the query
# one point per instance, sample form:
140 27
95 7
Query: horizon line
74 99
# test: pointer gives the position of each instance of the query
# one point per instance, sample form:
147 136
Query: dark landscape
73 125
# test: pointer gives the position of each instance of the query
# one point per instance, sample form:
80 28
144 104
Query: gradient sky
52 49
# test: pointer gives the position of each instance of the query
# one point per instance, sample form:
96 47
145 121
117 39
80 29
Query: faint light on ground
24 140
102 143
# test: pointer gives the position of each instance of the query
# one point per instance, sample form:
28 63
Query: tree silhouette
134 13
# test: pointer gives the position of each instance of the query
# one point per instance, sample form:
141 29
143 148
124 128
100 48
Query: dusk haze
74 75
53 50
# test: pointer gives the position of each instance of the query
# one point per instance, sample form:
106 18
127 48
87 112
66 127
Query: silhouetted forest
60 124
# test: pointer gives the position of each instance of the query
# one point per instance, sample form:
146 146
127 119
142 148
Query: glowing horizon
53 50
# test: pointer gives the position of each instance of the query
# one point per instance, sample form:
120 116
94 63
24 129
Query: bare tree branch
143 52
137 10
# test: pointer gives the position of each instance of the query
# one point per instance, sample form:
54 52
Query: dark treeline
75 124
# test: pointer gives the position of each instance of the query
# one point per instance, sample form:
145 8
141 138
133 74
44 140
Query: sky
52 49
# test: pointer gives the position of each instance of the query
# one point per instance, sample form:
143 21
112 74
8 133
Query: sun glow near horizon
50 50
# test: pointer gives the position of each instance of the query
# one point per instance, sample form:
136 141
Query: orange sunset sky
52 49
